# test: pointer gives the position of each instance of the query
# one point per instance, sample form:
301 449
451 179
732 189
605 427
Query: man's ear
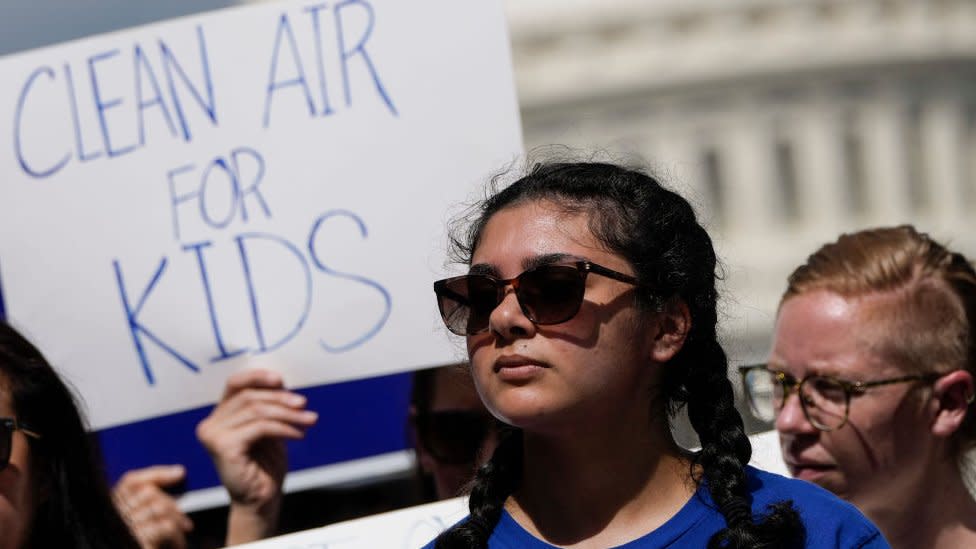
673 326
952 393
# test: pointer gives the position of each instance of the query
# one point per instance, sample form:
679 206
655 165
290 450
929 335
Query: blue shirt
830 522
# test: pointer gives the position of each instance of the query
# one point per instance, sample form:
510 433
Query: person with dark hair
53 492
589 310
452 431
876 334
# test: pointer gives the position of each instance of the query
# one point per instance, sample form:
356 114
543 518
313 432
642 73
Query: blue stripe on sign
3 310
357 419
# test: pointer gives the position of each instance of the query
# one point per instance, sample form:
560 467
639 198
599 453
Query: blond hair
921 295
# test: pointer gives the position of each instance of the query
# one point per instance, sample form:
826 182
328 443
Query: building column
886 169
748 160
820 168
943 134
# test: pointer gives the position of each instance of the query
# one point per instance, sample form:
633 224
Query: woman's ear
952 394
673 326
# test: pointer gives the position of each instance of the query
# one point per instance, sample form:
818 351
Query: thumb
164 475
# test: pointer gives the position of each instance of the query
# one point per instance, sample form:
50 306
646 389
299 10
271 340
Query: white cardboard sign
408 528
268 182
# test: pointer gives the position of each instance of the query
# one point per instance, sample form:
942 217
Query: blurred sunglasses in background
548 294
7 427
453 437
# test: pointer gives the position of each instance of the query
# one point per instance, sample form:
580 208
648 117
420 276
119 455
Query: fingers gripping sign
245 436
152 514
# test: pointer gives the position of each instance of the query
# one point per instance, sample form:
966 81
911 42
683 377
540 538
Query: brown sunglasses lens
547 295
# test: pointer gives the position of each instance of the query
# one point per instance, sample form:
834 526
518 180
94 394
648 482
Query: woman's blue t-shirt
830 522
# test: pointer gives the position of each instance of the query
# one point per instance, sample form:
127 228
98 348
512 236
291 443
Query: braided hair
656 230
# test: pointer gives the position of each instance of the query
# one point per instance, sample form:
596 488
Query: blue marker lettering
284 30
101 106
144 72
222 349
136 329
388 301
320 65
18 126
255 181
234 192
79 141
177 199
252 295
359 49
170 64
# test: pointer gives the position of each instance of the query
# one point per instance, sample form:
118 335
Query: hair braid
723 457
494 482
686 271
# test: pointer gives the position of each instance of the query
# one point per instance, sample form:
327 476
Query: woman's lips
517 368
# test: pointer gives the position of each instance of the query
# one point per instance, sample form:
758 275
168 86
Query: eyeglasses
826 401
7 427
548 294
453 437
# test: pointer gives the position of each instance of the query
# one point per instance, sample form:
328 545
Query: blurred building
785 121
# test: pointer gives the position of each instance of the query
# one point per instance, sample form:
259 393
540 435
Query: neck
939 513
601 486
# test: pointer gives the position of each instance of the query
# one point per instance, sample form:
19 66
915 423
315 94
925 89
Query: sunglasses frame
9 425
583 267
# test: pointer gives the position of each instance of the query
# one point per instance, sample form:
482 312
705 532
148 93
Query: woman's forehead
535 229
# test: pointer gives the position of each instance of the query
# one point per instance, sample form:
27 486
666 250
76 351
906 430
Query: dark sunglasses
453 437
7 427
548 294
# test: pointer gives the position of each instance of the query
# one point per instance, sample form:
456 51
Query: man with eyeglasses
870 381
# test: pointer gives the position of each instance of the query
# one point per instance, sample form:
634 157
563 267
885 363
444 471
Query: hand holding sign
151 513
245 435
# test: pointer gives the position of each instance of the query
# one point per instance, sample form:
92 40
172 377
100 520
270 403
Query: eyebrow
528 263
779 367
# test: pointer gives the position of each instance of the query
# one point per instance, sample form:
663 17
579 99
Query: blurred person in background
53 491
875 337
452 431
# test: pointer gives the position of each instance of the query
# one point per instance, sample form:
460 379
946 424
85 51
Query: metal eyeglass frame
790 385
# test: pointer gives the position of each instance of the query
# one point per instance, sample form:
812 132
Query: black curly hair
657 231
74 507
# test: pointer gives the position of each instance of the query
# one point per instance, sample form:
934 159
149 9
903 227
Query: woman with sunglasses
52 489
590 314
452 431
875 333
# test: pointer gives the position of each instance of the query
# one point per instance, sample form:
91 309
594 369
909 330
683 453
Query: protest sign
264 185
409 528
